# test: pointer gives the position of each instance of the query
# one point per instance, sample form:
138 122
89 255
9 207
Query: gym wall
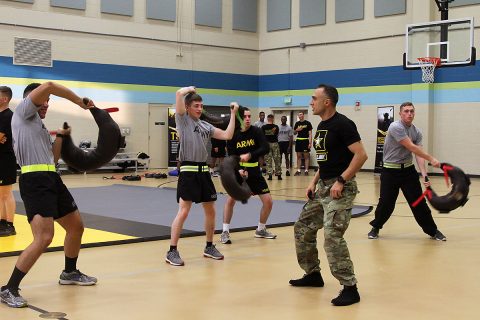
131 61
363 58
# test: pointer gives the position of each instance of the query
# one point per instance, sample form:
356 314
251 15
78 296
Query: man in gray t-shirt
194 182
285 141
398 172
45 196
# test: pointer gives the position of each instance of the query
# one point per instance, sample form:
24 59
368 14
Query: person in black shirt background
8 165
303 142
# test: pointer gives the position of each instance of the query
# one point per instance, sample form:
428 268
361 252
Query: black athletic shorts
283 145
8 169
301 146
195 186
45 194
256 181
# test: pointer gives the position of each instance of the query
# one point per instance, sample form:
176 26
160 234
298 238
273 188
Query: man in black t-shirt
8 165
303 143
340 155
271 130
249 144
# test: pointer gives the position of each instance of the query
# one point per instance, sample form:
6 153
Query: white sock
226 227
261 226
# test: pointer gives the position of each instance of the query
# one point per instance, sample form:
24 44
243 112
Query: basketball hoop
428 65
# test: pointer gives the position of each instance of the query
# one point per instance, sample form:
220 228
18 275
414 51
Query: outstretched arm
418 151
42 93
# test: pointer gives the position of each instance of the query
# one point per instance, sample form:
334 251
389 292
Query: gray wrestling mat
147 212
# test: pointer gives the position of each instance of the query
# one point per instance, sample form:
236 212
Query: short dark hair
6 91
190 97
270 116
261 112
330 91
405 104
30 88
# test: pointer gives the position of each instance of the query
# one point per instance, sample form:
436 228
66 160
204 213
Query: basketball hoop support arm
443 8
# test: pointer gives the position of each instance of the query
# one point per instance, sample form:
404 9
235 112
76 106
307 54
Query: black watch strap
341 180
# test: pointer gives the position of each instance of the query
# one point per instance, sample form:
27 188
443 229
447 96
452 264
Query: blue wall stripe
364 77
367 78
95 72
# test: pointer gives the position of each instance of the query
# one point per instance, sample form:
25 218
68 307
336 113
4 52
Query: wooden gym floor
402 275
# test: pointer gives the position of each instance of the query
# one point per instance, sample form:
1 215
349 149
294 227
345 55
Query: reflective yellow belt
194 169
249 164
38 168
391 165
302 138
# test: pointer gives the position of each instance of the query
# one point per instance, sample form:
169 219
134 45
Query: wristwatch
341 180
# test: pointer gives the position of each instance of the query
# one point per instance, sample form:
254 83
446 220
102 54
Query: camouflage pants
334 216
274 157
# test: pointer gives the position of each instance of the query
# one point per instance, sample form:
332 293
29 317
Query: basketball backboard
449 40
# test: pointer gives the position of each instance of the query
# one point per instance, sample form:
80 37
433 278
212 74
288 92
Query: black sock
172 248
15 279
209 244
70 264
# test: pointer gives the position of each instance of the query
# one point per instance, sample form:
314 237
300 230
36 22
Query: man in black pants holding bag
398 172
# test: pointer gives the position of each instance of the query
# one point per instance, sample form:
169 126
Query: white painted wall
137 41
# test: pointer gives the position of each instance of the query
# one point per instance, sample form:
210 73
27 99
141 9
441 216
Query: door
158 135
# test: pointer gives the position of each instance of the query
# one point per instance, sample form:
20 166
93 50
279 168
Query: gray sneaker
373 234
173 257
76 278
225 238
12 298
439 236
264 233
212 252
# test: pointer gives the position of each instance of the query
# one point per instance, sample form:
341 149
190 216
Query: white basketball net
428 66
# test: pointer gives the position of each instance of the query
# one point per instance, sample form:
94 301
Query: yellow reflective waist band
391 165
249 164
302 139
194 169
38 168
